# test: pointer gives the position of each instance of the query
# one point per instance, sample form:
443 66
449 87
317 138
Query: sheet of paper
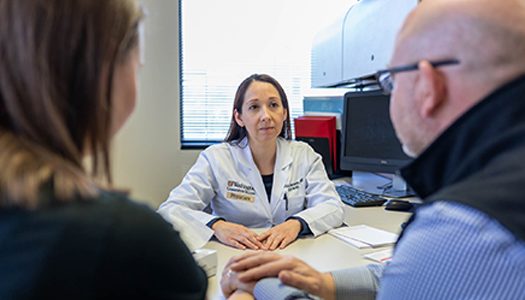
380 256
368 235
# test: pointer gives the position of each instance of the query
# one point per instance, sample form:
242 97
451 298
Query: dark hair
236 133
57 59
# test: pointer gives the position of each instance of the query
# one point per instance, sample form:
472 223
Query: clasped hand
242 273
240 237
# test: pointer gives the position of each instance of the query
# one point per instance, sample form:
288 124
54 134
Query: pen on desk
285 198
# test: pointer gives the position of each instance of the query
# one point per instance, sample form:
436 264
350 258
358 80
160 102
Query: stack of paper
363 236
380 256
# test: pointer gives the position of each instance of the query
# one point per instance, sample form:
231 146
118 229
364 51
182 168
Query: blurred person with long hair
68 82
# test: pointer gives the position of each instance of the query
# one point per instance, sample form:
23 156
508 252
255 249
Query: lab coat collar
284 157
244 154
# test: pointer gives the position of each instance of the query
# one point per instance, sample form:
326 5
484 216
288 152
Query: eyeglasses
386 81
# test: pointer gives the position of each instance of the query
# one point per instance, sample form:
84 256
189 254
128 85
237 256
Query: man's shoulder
451 212
451 222
451 240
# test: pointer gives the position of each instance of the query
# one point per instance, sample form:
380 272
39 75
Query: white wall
146 153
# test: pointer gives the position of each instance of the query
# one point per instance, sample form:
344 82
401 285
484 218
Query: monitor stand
399 188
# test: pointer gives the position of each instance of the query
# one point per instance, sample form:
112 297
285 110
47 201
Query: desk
324 253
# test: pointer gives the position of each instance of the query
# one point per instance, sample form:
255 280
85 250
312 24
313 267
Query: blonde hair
57 59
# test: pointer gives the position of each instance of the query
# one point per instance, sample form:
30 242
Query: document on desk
350 241
380 256
362 236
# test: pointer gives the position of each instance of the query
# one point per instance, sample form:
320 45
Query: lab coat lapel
282 169
252 173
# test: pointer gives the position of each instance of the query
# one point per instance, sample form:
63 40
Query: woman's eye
252 107
275 104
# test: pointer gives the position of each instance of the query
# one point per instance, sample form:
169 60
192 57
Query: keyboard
358 198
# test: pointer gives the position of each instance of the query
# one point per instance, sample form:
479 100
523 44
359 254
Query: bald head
486 36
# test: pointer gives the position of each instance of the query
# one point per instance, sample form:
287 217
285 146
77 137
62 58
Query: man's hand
290 270
236 235
281 235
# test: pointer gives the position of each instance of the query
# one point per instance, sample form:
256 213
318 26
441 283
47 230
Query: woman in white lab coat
258 177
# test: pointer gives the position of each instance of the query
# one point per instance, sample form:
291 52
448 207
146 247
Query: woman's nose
265 113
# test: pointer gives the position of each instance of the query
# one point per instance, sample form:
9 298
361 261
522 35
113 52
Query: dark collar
489 129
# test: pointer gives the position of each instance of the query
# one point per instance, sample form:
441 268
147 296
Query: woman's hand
232 287
290 270
282 234
236 235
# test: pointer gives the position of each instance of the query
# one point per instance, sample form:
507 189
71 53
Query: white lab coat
226 177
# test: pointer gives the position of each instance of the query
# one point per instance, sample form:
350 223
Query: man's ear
431 88
238 118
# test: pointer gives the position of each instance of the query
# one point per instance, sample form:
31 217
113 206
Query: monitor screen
369 142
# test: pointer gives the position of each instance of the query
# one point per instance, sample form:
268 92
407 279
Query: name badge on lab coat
242 197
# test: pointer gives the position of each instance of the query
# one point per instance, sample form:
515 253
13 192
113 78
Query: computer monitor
369 142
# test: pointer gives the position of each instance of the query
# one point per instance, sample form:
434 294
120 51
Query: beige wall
146 153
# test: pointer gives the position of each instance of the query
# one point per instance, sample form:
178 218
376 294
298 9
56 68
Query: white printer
359 42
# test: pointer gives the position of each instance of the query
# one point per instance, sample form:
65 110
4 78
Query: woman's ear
238 118
432 89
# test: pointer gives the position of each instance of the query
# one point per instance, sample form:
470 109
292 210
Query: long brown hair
236 133
57 59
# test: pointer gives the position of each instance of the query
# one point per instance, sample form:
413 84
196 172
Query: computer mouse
398 205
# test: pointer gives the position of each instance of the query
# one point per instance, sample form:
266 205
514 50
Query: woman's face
124 90
263 113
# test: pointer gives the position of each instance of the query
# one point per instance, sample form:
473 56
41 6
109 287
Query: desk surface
324 253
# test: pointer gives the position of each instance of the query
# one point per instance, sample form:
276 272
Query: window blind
223 42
